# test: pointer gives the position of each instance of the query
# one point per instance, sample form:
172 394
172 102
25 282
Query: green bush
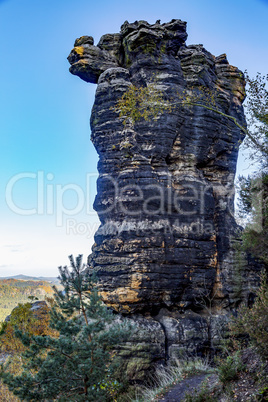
229 368
252 323
263 394
80 362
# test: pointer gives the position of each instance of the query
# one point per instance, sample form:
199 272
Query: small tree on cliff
77 365
149 102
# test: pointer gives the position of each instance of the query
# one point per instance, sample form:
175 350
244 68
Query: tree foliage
251 324
149 102
13 291
79 364
142 102
25 320
257 117
253 190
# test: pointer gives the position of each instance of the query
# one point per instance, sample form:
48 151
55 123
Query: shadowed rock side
165 192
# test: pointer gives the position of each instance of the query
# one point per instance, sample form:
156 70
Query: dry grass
166 377
6 395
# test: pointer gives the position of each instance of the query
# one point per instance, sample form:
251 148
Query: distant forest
13 291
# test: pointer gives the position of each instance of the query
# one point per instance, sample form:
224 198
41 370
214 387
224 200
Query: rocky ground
250 385
179 391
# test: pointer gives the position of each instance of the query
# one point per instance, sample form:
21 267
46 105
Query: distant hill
14 291
22 277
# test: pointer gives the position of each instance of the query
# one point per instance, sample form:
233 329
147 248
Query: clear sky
45 111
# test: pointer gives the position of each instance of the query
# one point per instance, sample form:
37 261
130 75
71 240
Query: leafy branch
149 102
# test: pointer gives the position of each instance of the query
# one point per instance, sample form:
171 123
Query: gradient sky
45 110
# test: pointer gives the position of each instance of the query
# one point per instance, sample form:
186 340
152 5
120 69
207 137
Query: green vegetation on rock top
14 291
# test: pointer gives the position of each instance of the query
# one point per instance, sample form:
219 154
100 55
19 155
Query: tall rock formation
166 185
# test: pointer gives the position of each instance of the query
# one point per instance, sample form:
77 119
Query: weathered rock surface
166 186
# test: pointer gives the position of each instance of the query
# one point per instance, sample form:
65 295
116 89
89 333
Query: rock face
166 185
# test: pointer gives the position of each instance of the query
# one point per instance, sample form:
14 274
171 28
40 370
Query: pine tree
79 364
253 190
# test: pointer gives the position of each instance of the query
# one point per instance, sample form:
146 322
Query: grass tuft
166 377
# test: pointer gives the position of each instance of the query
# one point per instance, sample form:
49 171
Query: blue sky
45 110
